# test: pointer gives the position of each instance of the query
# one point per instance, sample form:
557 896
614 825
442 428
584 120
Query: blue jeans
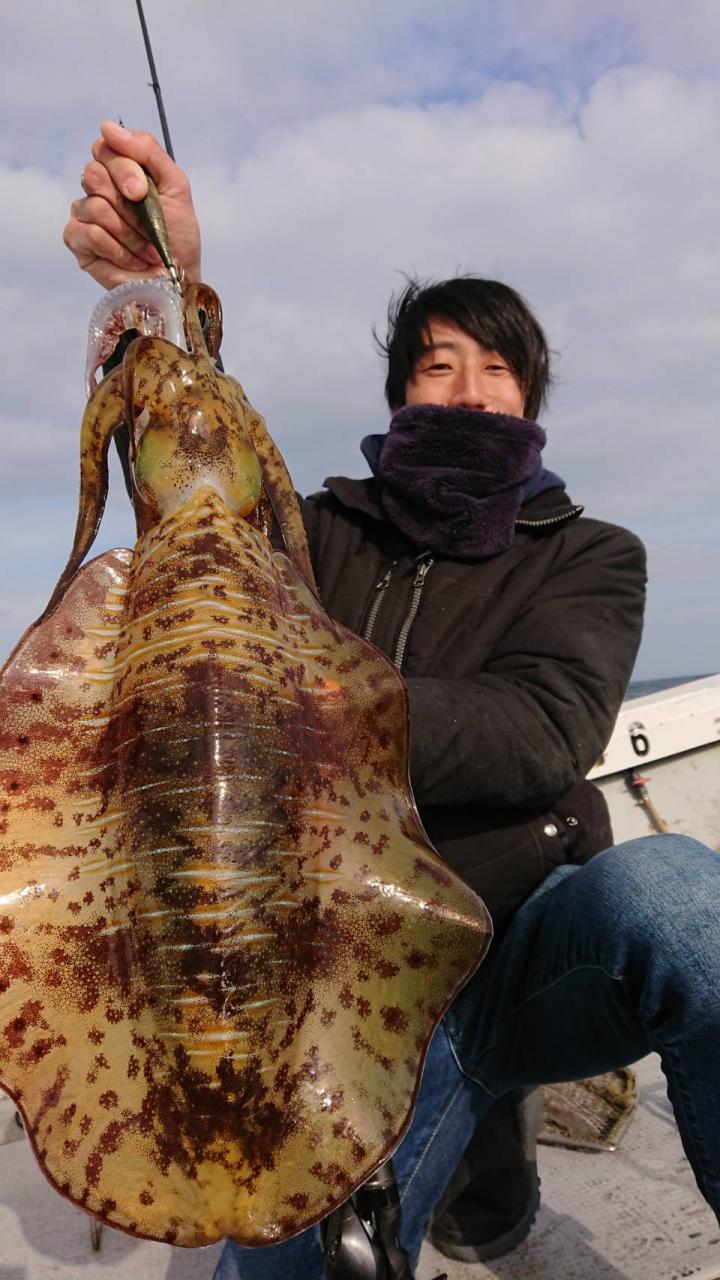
601 965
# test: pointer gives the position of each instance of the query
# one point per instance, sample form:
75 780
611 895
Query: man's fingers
96 210
104 245
114 275
97 181
124 174
145 150
90 242
109 276
102 268
99 186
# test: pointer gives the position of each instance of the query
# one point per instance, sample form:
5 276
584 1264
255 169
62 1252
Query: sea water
638 688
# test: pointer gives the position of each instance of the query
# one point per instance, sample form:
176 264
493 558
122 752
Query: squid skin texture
225 940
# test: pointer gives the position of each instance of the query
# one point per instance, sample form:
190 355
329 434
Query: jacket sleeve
536 718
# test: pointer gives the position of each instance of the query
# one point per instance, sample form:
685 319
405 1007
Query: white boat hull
665 749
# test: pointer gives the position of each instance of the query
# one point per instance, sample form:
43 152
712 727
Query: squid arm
279 489
104 412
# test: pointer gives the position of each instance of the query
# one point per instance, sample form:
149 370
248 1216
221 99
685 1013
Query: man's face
455 370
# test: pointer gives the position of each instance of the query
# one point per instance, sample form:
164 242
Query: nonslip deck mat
590 1114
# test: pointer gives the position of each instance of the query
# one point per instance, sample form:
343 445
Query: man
515 621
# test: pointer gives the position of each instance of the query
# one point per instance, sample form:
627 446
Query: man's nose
471 391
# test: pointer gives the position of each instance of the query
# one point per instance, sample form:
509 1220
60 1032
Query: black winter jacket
516 667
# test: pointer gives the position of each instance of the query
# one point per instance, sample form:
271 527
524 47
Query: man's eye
433 368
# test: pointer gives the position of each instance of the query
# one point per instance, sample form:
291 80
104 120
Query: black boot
492 1198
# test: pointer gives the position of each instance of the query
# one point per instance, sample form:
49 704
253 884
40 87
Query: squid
225 939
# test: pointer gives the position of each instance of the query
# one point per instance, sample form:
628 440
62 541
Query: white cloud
332 147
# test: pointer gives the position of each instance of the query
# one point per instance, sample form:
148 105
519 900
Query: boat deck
632 1214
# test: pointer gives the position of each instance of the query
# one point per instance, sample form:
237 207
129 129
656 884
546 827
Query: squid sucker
225 939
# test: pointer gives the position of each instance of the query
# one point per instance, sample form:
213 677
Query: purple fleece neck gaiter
453 480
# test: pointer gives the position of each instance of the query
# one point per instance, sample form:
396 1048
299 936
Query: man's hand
105 232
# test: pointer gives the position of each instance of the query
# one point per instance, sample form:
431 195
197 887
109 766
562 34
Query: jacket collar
363 495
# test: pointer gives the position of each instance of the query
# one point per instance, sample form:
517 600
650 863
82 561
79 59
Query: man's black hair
490 312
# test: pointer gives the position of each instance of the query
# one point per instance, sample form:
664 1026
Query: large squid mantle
225 940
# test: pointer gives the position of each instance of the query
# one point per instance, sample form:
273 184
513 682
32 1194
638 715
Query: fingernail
133 187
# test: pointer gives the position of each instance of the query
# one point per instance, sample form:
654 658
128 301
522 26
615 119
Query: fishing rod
155 83
150 210
360 1239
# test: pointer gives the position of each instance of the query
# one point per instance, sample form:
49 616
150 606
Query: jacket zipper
421 574
380 588
538 524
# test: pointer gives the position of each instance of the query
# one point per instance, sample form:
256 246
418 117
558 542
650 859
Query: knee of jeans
668 885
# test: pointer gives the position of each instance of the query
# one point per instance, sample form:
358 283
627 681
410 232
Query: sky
334 145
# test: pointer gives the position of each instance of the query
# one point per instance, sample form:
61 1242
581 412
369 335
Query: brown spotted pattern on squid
225 940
